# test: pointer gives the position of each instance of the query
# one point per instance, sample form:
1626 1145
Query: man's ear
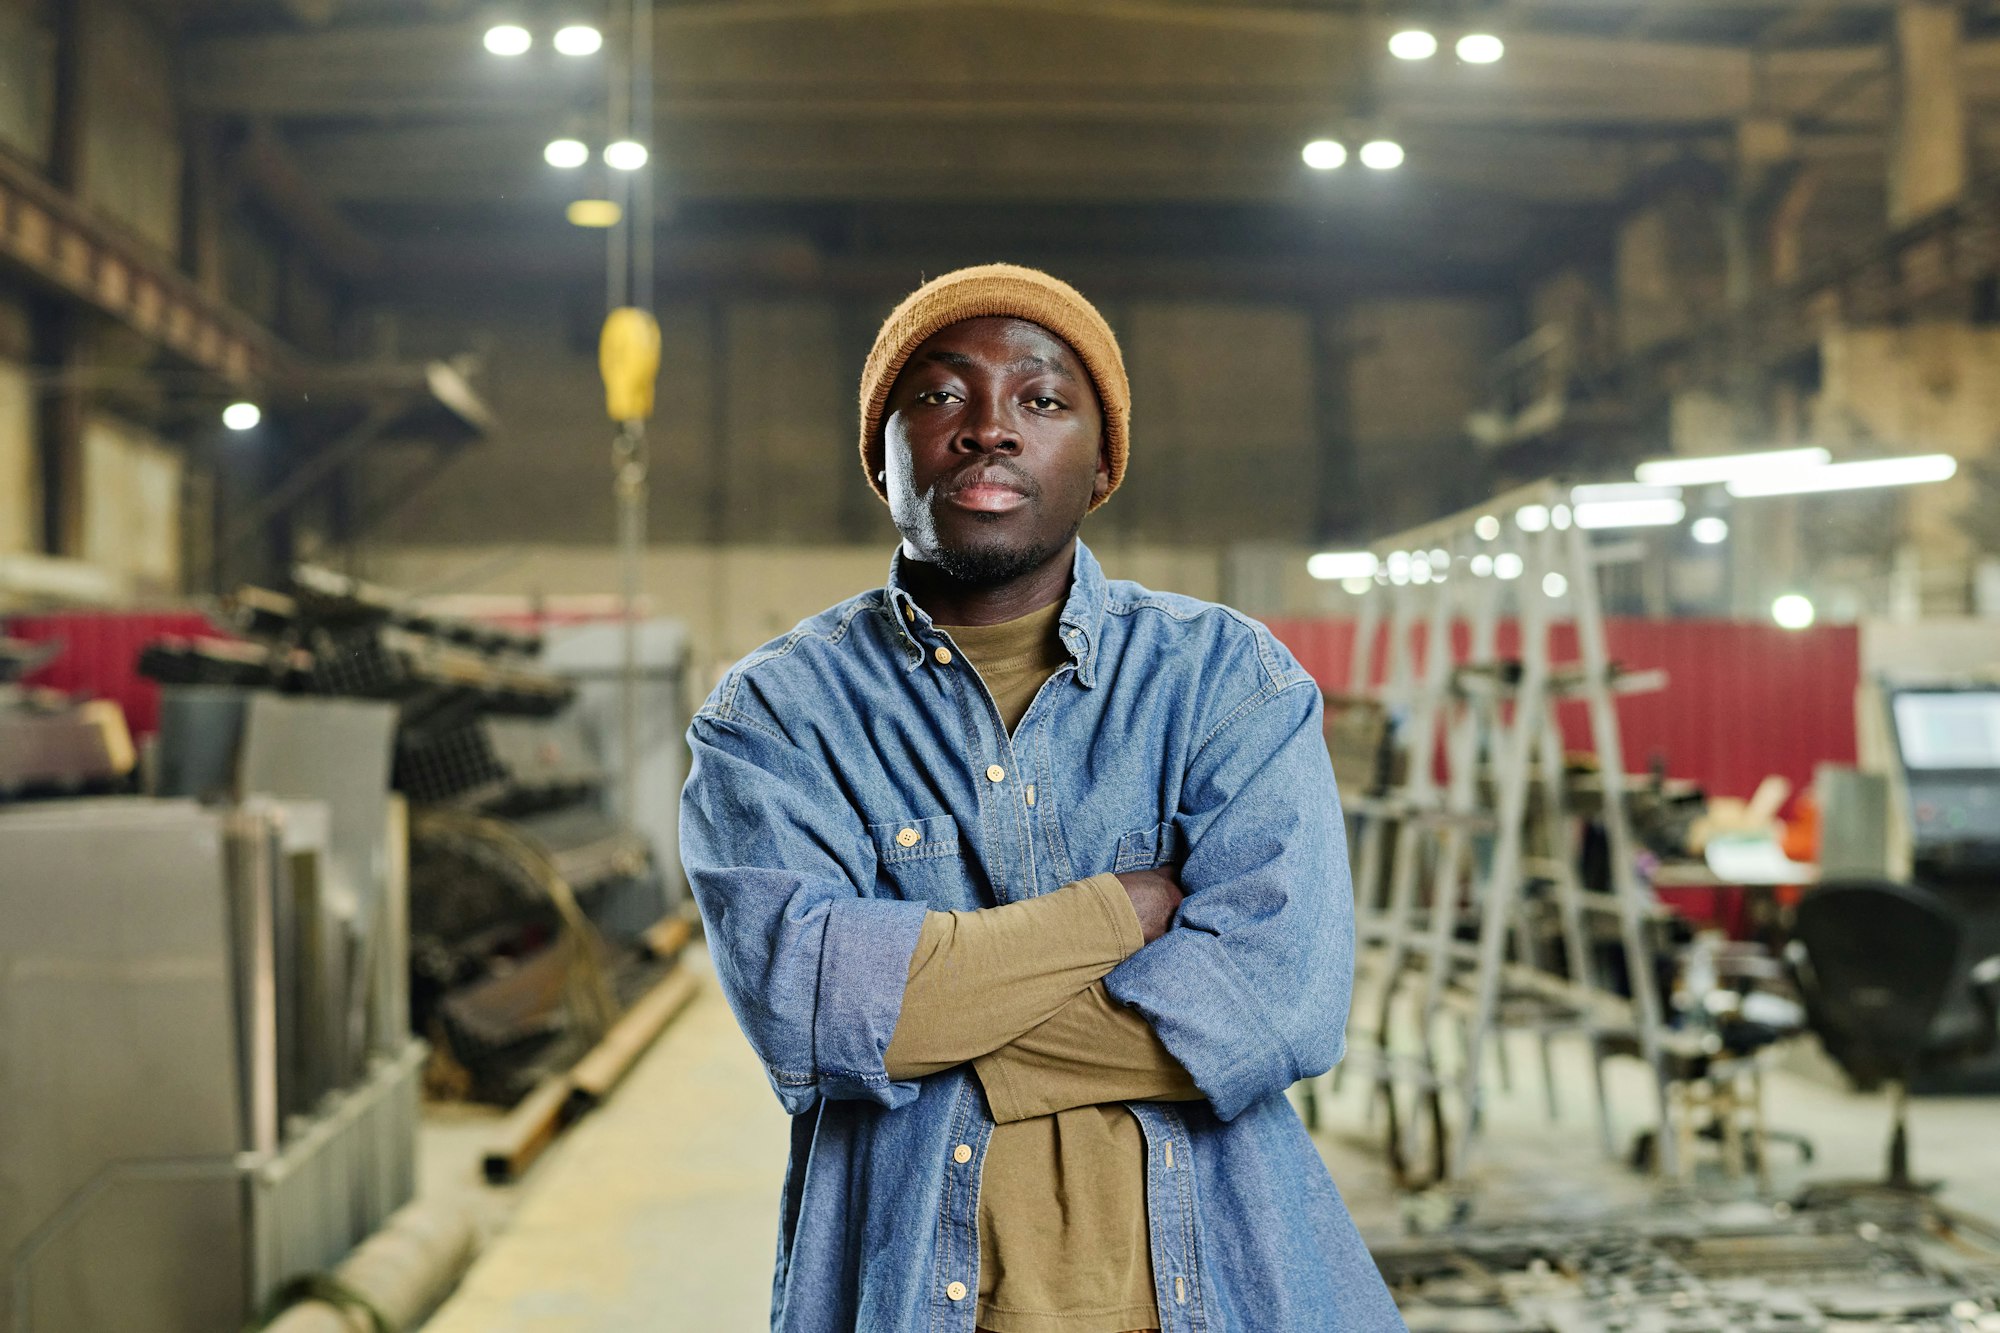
1100 486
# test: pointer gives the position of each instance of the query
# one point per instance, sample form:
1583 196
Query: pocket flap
915 839
1144 849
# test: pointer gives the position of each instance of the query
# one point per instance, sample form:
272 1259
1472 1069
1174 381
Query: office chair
1875 962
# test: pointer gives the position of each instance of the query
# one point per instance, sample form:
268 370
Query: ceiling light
241 416
1507 565
509 39
1382 154
1440 558
1728 467
625 155
1710 531
594 213
1622 490
1486 527
1357 586
1792 611
1324 154
1850 476
1560 516
1532 518
1480 48
1413 44
1481 565
1659 513
579 39
566 153
1342 565
1554 584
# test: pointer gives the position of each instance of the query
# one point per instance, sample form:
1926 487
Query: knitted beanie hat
1006 290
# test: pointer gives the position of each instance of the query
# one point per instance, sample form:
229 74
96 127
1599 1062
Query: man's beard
982 566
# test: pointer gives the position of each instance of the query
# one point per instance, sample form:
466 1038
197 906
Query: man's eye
1044 403
937 397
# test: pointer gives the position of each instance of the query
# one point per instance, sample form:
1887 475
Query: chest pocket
1149 848
917 858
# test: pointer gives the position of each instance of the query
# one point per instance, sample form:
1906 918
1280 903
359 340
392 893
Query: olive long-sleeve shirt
1016 991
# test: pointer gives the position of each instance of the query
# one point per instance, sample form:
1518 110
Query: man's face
994 448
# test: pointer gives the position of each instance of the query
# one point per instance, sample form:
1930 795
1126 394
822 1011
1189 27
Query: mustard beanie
1006 290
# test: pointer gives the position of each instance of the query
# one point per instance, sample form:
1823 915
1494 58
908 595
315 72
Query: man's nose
989 427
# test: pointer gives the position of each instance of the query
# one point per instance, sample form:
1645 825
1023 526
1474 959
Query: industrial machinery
529 899
51 744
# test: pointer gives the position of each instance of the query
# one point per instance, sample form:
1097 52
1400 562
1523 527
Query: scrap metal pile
529 904
1839 1262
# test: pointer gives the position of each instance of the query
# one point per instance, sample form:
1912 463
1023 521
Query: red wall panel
100 657
1743 699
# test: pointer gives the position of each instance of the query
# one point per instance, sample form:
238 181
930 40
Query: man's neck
951 602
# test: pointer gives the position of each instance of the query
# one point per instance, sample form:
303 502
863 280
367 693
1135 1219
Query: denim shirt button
944 656
956 1291
962 1153
995 773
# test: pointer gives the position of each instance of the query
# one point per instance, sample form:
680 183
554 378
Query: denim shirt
1179 732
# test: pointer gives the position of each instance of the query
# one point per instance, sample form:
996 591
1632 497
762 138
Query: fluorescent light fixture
1728 467
1343 565
1850 476
1532 518
242 416
1630 514
566 153
1792 611
1480 48
594 213
1381 155
1560 517
1413 44
1622 490
1710 531
1507 565
1486 527
1481 566
1357 586
1554 584
509 39
625 155
579 39
1324 154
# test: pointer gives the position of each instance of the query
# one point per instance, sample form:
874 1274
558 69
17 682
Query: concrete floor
659 1211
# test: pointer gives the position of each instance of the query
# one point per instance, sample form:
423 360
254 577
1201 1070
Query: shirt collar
1080 623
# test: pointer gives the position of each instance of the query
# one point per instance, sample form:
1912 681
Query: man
1029 888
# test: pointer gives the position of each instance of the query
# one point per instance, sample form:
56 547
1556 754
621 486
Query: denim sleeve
1250 989
813 970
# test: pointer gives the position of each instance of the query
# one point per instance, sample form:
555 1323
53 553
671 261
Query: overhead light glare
1602 514
509 39
1850 476
566 153
1324 154
1554 584
1729 467
1508 565
1622 490
1532 518
1792 611
1413 44
1381 155
625 155
242 416
1481 566
1710 531
1343 565
594 213
1486 527
1357 586
1480 48
579 39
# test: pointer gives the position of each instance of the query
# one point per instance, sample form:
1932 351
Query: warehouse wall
1360 412
132 505
18 525
131 148
27 84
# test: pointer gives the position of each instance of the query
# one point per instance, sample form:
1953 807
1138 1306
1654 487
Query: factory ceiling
1130 126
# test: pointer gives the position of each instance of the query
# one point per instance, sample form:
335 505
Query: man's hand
1155 895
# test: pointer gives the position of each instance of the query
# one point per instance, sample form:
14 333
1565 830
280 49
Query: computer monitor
1948 729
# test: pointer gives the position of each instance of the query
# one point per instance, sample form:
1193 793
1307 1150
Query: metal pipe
403 1272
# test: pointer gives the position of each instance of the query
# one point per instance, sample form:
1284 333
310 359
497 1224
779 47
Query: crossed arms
1247 992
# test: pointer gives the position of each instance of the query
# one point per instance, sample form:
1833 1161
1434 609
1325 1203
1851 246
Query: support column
1927 154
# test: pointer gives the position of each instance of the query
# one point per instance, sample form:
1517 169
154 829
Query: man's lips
987 497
